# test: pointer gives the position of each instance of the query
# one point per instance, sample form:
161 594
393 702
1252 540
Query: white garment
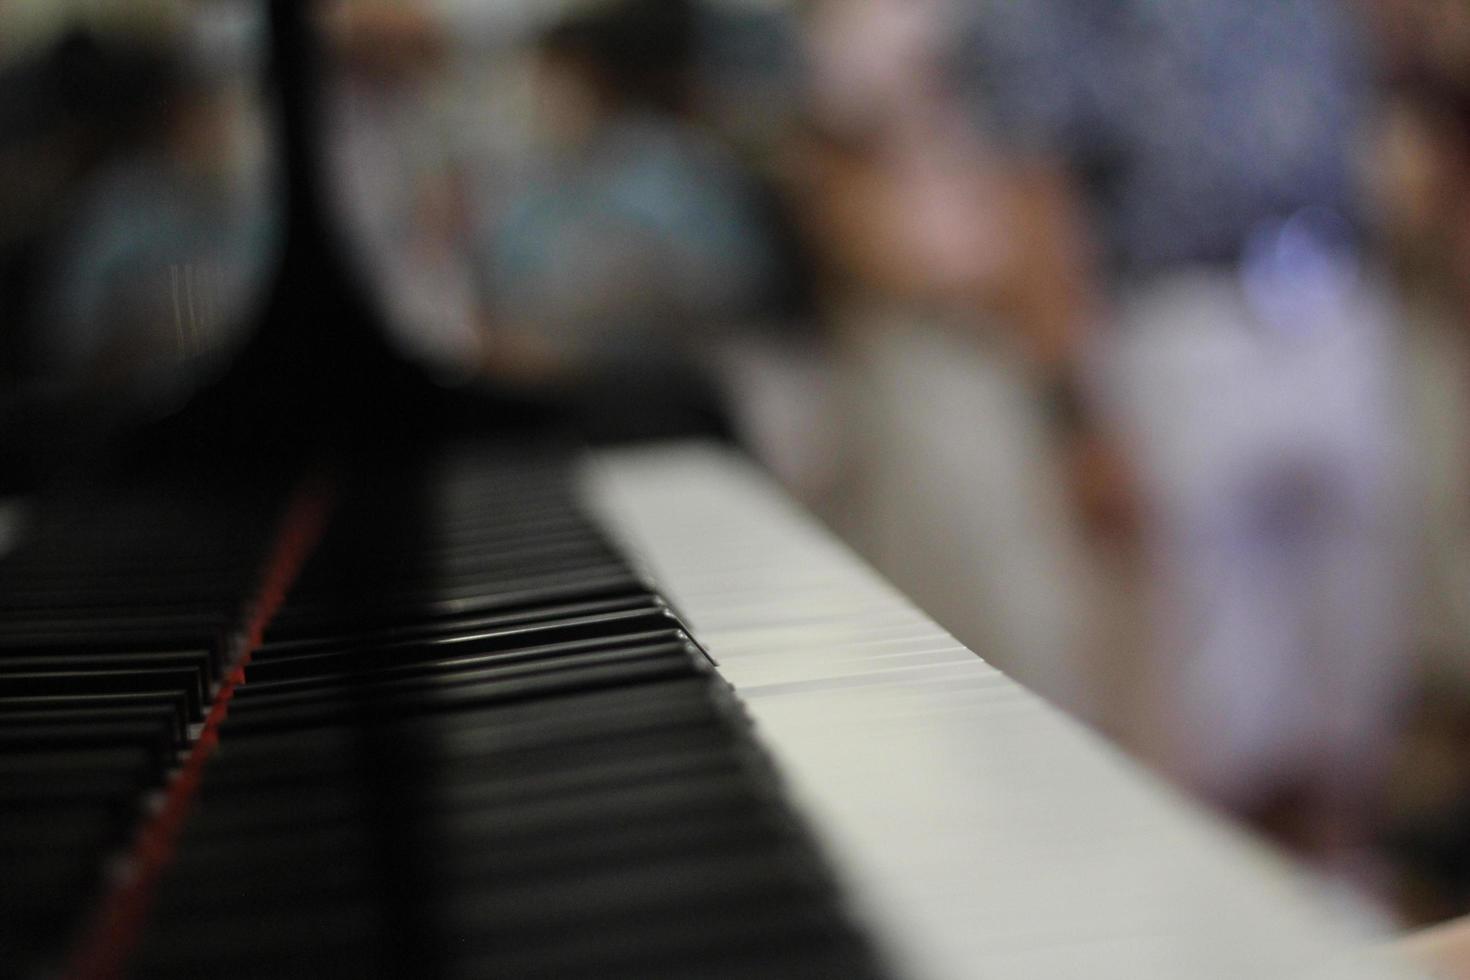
1270 455
952 492
1437 364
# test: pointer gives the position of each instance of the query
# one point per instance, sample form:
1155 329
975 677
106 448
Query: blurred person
636 236
73 104
1421 180
541 205
137 223
951 296
162 250
399 176
1248 360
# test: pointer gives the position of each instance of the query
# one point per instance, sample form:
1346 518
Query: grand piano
336 674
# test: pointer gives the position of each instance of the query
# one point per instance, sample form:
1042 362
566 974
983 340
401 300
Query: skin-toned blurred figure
1247 355
955 308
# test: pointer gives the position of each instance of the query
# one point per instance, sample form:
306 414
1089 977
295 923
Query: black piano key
185 681
771 940
212 656
195 663
519 643
37 906
115 775
171 708
17 738
374 703
507 594
344 938
352 632
673 773
212 632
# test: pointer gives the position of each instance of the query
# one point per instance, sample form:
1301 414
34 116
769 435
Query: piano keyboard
471 740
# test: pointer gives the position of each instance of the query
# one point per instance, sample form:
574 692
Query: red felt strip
115 932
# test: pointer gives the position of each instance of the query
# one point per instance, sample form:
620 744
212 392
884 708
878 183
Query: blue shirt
1193 120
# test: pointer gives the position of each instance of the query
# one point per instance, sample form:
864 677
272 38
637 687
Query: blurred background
1130 338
